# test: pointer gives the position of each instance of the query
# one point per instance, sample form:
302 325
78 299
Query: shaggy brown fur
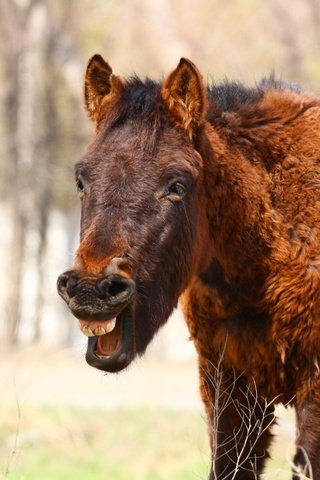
211 195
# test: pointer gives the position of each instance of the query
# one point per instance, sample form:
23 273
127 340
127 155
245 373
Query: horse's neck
239 208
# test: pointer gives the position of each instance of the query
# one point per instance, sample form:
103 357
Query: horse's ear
184 95
99 85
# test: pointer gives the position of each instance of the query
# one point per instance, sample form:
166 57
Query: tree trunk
47 154
22 59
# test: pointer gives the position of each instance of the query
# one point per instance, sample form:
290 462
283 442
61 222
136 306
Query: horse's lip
82 314
124 355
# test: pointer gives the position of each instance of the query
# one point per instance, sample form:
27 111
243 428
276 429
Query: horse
210 195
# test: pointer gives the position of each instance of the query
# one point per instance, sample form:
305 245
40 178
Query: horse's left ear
99 85
184 95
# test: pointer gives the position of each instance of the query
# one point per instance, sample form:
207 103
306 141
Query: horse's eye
177 189
80 184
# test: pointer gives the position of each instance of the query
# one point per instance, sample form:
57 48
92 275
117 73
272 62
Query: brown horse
211 195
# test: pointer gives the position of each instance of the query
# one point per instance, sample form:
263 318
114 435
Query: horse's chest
236 338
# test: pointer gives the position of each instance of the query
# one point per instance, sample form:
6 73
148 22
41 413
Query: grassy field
67 443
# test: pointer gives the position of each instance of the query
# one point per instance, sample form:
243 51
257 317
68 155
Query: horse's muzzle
94 298
104 307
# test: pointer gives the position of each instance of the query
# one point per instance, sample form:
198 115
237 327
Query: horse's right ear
99 85
184 95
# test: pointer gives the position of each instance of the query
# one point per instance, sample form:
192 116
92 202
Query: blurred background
60 419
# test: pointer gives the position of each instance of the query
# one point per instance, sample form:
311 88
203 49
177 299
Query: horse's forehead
125 141
133 148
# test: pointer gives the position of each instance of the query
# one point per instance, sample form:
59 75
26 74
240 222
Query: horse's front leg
307 458
239 424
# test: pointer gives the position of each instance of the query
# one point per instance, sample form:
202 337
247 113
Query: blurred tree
44 162
32 61
315 16
23 27
288 28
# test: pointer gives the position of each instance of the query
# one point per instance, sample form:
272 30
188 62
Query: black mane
141 99
230 95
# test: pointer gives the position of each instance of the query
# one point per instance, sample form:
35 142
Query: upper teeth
87 331
100 331
104 327
110 324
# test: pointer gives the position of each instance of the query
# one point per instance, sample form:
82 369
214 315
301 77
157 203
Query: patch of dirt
36 375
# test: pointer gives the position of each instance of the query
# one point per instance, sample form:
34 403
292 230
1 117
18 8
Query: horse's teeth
110 324
86 330
100 331
106 327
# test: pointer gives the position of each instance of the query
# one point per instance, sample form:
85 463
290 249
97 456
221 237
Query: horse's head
143 222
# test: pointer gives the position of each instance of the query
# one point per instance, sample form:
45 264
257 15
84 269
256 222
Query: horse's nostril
115 289
66 281
62 282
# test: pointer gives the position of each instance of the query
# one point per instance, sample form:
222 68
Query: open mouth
111 343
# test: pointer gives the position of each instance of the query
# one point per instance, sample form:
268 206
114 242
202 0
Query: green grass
66 444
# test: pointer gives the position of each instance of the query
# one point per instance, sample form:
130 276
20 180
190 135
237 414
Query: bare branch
14 449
